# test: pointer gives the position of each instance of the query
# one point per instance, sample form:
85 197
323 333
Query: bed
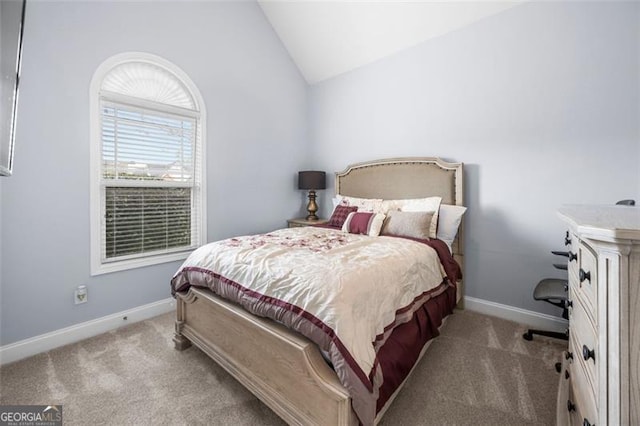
286 370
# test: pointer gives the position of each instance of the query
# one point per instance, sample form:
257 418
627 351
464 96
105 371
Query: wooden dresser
600 378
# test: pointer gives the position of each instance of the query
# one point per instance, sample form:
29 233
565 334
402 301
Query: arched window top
150 80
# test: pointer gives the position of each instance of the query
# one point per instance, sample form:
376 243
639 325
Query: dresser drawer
582 392
574 413
584 279
580 404
580 408
582 342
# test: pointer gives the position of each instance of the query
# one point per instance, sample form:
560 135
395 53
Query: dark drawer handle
570 406
567 240
585 275
588 353
568 355
585 422
573 256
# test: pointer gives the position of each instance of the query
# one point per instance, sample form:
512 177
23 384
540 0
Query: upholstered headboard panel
403 178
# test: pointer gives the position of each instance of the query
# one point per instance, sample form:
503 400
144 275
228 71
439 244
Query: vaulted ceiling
327 38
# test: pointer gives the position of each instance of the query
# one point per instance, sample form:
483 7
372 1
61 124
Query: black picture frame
11 32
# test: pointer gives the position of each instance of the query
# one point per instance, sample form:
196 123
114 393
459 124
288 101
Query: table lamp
312 180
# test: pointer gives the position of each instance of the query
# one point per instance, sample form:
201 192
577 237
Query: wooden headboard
405 178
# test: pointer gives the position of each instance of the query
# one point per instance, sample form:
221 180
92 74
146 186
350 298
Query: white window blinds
149 186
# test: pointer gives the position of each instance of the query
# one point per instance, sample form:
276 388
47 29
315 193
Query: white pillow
449 222
367 205
429 204
371 228
336 202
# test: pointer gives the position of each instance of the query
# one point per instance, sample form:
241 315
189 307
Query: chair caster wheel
527 336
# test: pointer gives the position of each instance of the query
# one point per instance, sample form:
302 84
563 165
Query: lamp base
312 207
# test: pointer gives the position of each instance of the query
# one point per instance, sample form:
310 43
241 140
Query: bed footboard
283 369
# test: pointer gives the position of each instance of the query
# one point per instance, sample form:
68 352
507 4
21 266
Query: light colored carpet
478 372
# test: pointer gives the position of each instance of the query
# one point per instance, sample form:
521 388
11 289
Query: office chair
554 291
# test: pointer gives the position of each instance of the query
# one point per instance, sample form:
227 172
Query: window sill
123 265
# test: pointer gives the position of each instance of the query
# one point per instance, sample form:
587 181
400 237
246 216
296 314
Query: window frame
97 208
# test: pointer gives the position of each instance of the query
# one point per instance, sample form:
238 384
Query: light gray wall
256 142
541 103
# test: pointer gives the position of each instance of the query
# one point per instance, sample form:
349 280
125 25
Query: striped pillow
363 223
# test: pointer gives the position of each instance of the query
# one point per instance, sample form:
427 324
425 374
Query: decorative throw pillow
407 224
340 215
364 223
429 204
449 222
371 205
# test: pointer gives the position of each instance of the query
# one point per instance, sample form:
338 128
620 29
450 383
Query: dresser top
599 221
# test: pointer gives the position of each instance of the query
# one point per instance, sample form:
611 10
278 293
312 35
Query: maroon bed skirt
400 352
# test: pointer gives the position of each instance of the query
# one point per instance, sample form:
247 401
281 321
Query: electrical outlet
80 295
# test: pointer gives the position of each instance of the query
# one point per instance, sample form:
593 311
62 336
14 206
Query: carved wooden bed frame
282 368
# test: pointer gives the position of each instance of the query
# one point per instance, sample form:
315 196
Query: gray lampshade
311 179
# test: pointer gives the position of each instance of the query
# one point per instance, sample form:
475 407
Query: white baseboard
531 318
46 342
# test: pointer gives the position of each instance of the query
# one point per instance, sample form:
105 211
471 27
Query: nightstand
294 223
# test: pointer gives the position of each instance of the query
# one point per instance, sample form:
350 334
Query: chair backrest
626 203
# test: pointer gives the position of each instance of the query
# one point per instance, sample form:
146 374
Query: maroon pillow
340 215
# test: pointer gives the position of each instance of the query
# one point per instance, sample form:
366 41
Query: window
147 174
